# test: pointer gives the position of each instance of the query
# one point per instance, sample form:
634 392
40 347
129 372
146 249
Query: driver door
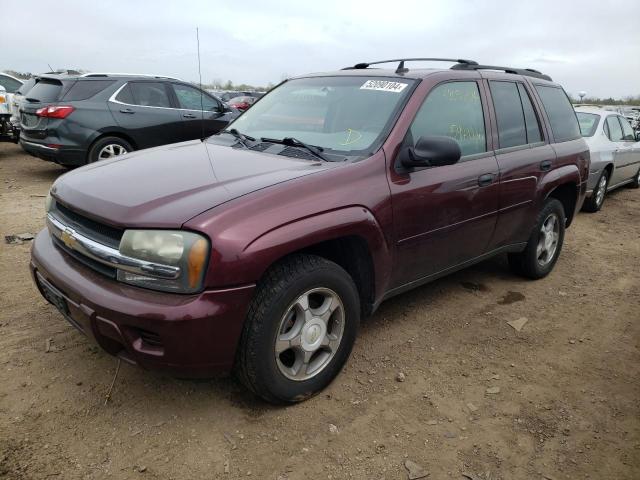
199 111
446 215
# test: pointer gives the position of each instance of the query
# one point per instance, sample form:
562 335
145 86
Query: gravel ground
438 380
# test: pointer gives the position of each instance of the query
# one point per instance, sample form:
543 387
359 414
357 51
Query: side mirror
432 151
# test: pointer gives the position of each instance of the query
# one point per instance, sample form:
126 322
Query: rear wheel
595 201
300 329
544 245
636 180
108 147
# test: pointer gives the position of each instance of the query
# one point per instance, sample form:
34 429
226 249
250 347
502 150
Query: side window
627 131
190 98
125 95
615 130
83 89
506 101
530 117
453 110
562 116
150 94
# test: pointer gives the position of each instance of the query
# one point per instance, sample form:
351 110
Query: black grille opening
99 232
150 338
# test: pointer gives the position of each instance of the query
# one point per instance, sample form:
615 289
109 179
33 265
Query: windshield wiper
294 142
241 137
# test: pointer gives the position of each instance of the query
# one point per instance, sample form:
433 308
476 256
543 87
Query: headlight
47 203
186 250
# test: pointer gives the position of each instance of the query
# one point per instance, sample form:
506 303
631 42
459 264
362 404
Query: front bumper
184 335
62 155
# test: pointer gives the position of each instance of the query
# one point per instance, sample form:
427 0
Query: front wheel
544 245
300 329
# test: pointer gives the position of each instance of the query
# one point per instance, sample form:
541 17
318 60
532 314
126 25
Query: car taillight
55 111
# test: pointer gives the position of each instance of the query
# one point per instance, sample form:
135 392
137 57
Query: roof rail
401 68
100 74
529 72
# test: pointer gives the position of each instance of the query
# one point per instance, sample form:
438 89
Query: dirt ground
558 400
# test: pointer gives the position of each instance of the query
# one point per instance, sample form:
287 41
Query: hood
164 187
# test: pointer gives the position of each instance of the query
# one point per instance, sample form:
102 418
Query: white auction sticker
384 86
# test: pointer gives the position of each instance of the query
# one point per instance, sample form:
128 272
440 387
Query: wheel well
351 253
122 136
567 194
609 169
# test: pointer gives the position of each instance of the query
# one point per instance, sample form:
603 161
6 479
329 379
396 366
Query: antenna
50 69
200 80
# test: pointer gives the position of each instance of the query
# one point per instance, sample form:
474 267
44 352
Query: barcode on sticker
383 85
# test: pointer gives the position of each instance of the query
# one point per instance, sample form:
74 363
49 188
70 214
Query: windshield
342 115
588 123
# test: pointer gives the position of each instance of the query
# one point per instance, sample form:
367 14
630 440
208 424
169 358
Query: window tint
10 84
627 131
28 85
83 89
588 123
125 95
562 116
190 98
506 101
150 94
615 130
45 90
453 110
530 117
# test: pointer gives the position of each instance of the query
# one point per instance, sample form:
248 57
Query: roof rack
99 74
529 72
401 68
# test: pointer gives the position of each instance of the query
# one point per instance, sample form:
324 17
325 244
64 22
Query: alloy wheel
309 334
111 150
548 241
602 190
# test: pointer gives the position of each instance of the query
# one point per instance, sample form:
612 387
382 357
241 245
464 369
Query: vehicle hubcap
548 241
111 150
602 189
309 334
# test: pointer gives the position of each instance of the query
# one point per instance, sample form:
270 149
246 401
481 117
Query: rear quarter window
562 116
84 89
45 91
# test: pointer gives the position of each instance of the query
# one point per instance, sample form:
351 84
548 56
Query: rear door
523 156
200 112
446 215
145 109
627 158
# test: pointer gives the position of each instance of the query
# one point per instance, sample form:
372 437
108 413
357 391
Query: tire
596 200
636 181
108 147
532 263
275 314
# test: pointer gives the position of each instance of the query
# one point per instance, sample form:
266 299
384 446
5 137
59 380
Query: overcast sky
593 47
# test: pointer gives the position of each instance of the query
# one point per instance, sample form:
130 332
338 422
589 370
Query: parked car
260 249
8 86
74 120
241 103
615 153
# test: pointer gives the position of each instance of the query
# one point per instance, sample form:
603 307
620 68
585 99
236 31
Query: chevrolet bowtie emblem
68 238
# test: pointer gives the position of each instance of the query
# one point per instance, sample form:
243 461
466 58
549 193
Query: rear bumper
184 335
60 154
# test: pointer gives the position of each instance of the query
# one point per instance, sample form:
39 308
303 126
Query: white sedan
615 153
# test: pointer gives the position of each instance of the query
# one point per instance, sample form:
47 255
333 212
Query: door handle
486 179
127 110
546 165
189 115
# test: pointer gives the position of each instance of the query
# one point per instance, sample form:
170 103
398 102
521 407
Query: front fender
250 263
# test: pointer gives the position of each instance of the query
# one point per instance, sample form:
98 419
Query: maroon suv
259 249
